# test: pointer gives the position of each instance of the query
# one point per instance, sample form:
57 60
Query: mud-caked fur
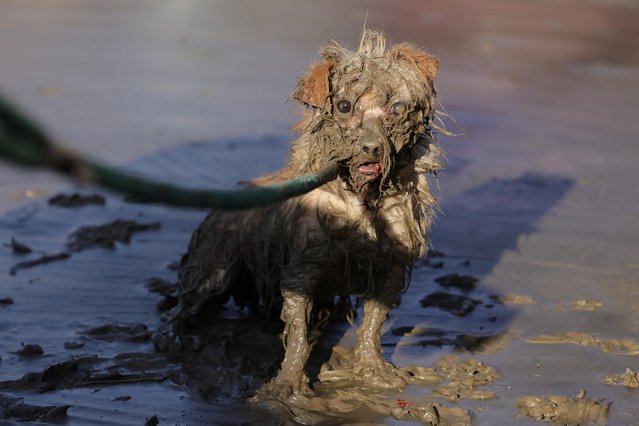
372 111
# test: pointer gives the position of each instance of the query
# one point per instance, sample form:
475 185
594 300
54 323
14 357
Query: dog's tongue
370 168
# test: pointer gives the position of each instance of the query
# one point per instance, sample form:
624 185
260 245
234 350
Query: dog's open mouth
370 169
361 174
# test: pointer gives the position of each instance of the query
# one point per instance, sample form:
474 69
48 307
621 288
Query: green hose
22 141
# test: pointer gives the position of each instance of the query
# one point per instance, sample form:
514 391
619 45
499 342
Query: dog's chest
346 218
350 226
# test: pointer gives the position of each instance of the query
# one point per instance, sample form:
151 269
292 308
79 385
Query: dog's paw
379 374
282 389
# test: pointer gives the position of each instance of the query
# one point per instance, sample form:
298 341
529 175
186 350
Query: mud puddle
539 202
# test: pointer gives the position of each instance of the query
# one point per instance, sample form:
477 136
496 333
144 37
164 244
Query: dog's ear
313 88
427 64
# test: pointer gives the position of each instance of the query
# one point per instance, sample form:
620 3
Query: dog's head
369 109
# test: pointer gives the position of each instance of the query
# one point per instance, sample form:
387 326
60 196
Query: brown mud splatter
88 237
586 305
614 346
48 258
629 379
433 259
92 370
107 235
19 248
464 378
30 351
76 200
12 408
462 282
457 305
563 410
122 333
152 421
514 299
122 398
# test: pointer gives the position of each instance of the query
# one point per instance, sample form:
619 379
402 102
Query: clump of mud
432 259
42 260
88 237
76 200
614 346
629 379
457 305
19 248
462 282
123 333
92 370
561 410
586 305
514 299
12 408
30 351
152 421
107 235
122 398
465 377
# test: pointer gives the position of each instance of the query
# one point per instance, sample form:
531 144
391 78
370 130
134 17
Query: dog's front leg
296 312
292 379
368 359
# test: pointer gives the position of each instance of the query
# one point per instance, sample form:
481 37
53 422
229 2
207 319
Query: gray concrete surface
541 193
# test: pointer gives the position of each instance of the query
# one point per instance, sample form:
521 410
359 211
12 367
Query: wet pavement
540 199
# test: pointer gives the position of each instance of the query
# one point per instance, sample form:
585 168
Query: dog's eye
344 106
398 108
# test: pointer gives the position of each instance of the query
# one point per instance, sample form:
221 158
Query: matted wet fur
371 110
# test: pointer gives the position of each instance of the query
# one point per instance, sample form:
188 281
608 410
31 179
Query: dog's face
368 108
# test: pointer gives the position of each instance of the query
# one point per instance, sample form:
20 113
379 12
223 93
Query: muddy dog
373 112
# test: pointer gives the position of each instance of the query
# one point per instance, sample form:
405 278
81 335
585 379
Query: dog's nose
370 147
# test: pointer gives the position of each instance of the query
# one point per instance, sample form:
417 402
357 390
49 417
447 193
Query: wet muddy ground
540 205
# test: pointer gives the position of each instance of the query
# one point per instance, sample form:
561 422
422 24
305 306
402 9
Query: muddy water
540 203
